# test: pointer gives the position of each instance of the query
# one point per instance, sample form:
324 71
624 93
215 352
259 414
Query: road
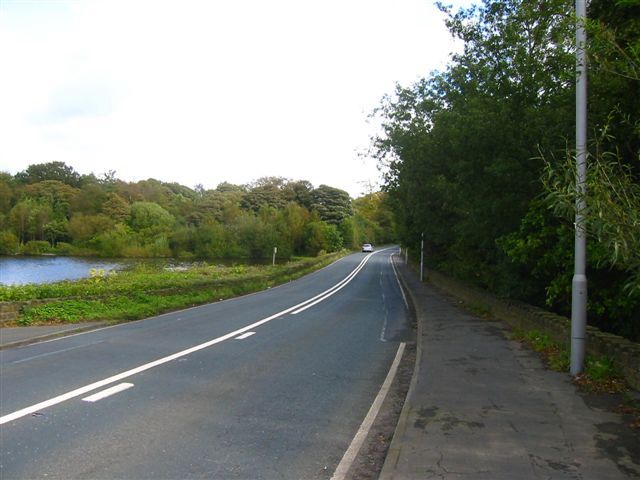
270 385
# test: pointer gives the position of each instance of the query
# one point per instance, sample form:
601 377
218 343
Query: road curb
393 453
52 335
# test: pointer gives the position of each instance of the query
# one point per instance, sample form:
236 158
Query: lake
45 269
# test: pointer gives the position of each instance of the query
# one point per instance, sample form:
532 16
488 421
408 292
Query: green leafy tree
331 204
58 171
82 228
19 218
117 208
265 191
7 192
9 244
212 241
462 152
322 237
150 220
58 195
300 192
90 199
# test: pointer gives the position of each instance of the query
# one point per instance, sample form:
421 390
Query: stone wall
9 312
624 354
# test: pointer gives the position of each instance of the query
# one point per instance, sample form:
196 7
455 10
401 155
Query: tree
331 204
56 230
19 218
150 220
117 208
374 219
58 195
251 237
265 191
90 199
322 237
83 228
463 151
300 192
58 171
7 193
459 147
9 244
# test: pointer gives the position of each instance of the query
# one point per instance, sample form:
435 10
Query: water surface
45 269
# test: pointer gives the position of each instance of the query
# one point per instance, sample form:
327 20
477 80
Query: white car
367 247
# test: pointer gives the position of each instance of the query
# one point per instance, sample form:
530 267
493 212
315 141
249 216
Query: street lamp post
579 283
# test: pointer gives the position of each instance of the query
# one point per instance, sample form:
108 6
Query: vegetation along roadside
146 291
599 376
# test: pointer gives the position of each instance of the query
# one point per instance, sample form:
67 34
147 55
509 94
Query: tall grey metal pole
579 283
422 257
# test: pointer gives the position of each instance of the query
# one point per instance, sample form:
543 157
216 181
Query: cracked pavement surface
484 407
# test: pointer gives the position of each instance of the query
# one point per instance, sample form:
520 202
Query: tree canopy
475 155
51 208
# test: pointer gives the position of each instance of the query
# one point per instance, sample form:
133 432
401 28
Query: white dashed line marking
245 335
108 392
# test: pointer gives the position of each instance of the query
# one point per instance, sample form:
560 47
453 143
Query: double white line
129 373
338 286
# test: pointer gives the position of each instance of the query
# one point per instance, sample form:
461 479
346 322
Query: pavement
481 406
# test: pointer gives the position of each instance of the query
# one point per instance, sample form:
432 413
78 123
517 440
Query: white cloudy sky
201 92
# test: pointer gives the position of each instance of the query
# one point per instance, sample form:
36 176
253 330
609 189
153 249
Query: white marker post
422 257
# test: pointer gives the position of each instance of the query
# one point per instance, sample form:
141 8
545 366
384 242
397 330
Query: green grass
599 374
146 291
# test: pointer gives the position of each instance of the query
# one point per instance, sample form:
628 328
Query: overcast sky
201 92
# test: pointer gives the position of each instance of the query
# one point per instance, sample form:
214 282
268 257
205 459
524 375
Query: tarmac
480 406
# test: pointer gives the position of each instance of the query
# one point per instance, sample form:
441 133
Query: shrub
36 247
9 244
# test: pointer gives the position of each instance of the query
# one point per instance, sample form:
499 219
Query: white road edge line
108 392
395 272
356 444
126 374
245 335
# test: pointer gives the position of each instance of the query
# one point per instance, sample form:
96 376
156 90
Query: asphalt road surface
270 385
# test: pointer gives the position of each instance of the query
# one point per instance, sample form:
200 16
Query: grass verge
599 376
147 291
599 373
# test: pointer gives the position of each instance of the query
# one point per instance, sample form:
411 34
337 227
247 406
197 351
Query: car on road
367 247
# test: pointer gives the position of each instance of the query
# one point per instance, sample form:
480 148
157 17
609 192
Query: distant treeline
50 208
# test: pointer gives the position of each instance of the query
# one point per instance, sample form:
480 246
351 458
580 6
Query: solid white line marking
108 392
245 335
121 376
338 286
351 453
406 303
